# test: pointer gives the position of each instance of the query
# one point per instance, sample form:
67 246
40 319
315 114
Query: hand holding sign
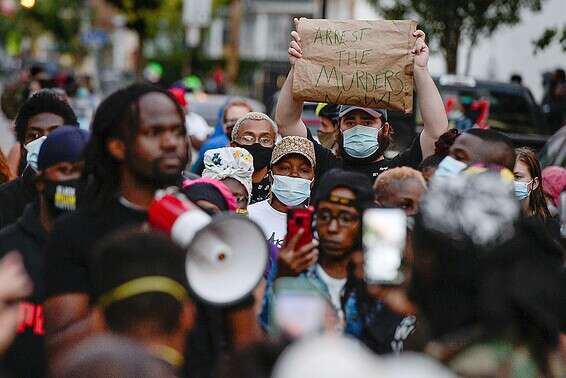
363 63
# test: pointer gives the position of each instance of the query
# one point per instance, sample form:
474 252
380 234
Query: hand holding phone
293 260
300 218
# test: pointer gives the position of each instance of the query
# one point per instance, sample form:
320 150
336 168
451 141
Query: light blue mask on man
361 141
292 191
449 167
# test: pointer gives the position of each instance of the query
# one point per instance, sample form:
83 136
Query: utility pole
324 9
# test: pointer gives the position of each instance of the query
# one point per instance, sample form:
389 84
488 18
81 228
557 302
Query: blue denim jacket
380 329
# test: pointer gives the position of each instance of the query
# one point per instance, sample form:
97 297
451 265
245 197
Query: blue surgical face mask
361 141
32 149
522 189
292 191
449 167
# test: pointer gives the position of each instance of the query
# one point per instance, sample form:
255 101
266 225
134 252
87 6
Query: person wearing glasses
340 201
257 133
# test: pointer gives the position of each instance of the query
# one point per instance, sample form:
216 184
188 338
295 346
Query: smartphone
298 310
297 218
384 235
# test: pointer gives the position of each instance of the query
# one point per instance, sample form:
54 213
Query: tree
550 36
448 22
137 13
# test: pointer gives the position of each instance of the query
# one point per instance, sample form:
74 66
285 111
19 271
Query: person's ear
117 149
535 184
188 316
386 129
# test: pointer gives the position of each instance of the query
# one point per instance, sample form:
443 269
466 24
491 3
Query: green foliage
137 12
550 36
448 21
61 18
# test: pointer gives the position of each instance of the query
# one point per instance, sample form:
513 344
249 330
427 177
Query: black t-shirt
26 355
15 196
326 160
260 191
69 248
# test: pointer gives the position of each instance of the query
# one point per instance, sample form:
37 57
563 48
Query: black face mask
261 155
62 197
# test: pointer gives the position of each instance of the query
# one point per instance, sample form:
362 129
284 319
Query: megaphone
226 255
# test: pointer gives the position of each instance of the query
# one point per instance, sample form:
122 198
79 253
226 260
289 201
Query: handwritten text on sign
364 63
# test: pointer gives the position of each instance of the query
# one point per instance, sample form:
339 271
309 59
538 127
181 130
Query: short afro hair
44 101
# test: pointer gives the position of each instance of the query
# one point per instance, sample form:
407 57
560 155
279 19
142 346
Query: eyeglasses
343 218
248 140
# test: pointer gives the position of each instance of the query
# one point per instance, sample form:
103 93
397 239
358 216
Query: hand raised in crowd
420 51
291 261
14 285
295 49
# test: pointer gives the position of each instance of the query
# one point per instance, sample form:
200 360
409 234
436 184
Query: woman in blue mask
528 184
292 174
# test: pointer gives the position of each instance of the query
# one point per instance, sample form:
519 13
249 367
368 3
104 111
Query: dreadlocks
117 117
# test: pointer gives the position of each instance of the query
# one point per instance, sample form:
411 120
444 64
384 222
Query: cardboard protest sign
363 63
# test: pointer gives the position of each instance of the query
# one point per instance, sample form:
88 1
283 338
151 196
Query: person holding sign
364 133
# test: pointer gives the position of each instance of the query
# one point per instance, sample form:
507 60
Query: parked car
512 107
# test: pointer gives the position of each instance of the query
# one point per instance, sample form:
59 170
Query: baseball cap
65 144
294 145
377 113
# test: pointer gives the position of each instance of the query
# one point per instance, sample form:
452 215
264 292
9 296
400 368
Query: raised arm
288 112
430 102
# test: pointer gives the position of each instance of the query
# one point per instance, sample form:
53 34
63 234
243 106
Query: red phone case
298 218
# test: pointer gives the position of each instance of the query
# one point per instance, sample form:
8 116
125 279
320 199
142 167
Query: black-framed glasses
343 218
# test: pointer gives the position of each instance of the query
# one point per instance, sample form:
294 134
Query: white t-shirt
335 287
272 222
197 126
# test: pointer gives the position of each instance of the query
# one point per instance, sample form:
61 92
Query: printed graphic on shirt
30 317
404 329
276 242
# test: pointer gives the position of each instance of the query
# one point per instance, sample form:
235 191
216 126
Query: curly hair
444 142
254 116
44 101
390 180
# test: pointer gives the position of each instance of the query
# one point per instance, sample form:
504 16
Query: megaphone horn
225 259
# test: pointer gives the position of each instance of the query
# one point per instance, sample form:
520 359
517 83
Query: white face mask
291 191
32 149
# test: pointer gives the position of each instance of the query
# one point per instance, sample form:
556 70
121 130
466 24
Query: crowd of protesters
88 288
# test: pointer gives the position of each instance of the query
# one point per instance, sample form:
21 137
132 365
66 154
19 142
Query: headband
149 284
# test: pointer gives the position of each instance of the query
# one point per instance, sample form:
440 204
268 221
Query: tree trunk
451 43
140 61
233 58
